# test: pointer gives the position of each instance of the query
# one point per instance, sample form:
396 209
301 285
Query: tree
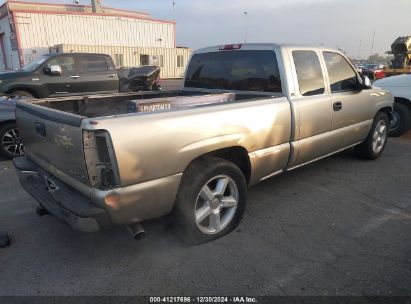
376 58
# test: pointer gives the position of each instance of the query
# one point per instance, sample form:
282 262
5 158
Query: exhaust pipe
41 211
137 231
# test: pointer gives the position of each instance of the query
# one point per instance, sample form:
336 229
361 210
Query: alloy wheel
216 204
395 123
11 142
379 136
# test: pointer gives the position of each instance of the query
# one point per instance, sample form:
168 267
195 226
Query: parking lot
340 226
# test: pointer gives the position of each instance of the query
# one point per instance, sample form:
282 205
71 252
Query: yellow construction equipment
401 64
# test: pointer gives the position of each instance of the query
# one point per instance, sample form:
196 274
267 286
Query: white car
400 87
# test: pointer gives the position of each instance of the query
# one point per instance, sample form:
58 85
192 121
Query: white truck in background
400 87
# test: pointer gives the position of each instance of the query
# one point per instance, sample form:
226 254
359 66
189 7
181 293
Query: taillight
100 159
229 47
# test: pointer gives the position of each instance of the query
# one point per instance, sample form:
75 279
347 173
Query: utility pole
359 51
372 43
246 26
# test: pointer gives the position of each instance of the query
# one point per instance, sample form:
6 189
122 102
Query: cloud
330 22
225 7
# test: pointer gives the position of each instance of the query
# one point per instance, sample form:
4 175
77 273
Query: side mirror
366 82
53 70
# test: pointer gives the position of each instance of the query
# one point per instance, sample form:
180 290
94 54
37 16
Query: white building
29 29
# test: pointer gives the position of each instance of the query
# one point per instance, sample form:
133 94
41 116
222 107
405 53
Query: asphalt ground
340 226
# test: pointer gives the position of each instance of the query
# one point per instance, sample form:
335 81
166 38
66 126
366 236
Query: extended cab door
97 74
312 106
351 115
64 84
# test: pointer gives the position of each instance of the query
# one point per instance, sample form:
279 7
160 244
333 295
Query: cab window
309 73
67 63
342 76
93 64
246 70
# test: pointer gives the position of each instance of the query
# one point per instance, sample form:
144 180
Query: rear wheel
401 120
211 200
11 144
156 87
373 146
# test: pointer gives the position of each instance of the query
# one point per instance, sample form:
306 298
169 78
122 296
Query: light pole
372 43
359 50
245 26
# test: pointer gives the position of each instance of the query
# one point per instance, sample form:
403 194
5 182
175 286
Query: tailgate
53 139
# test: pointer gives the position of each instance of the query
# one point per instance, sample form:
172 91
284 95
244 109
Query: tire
373 146
155 87
22 93
199 214
10 143
401 120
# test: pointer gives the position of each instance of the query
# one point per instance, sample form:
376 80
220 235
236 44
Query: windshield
235 70
35 64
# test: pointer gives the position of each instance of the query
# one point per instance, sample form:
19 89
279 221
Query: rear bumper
59 199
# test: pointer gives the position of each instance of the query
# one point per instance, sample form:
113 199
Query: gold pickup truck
93 162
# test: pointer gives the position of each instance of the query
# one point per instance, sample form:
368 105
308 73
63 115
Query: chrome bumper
60 200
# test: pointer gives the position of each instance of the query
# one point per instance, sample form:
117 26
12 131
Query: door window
342 76
67 63
161 64
93 64
144 59
119 59
309 74
180 61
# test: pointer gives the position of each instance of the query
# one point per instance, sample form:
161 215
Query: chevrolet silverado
95 162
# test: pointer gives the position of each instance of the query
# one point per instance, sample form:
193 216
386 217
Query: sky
346 24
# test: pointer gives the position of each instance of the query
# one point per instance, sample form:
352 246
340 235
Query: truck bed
55 131
93 106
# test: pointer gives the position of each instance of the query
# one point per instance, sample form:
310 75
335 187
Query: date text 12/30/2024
203 300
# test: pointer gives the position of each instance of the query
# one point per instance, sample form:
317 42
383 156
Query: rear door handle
75 76
337 106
